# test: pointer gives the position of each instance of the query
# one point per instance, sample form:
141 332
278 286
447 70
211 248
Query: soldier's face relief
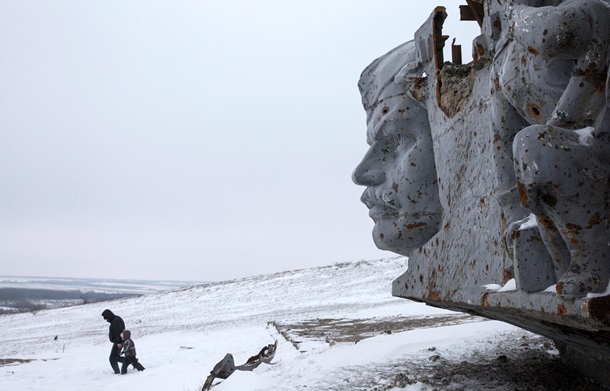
399 174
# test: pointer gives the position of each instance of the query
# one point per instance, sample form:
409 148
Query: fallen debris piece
225 367
266 354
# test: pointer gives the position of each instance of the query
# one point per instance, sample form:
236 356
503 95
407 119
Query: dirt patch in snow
529 363
524 363
12 361
512 361
353 330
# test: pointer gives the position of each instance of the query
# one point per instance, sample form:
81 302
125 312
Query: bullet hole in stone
535 110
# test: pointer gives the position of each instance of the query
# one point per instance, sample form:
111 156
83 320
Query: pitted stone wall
465 253
522 168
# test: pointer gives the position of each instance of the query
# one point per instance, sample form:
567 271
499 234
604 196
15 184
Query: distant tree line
27 299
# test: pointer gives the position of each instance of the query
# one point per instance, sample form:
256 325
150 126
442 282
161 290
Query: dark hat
107 314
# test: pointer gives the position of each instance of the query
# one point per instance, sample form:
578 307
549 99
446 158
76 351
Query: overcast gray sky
189 140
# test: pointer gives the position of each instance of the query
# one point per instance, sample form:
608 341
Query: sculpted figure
525 88
539 109
563 167
398 170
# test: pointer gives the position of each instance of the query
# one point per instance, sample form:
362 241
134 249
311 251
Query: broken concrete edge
590 313
578 327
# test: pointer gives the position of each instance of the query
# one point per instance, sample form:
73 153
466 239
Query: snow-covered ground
334 327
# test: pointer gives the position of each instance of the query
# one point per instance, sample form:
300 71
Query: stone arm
573 31
554 32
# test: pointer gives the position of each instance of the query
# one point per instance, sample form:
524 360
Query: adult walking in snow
114 334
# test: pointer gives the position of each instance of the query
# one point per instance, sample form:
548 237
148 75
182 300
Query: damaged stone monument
496 173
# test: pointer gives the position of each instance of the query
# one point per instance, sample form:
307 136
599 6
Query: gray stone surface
500 170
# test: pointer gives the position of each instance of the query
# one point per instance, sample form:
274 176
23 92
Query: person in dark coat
129 350
114 334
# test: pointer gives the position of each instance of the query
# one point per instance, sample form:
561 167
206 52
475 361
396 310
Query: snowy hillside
338 328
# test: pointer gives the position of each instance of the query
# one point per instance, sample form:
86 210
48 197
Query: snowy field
334 325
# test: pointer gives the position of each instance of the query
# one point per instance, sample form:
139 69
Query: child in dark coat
129 350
